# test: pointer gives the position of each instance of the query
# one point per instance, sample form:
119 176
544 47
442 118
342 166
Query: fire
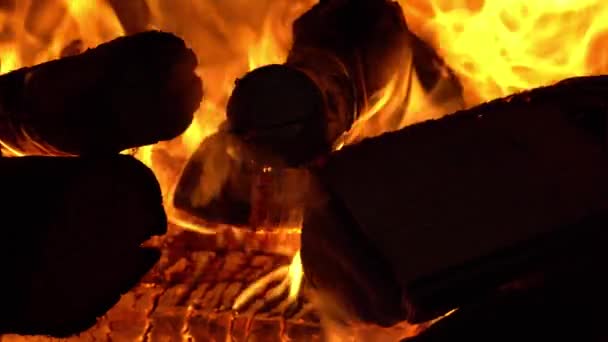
501 47
495 47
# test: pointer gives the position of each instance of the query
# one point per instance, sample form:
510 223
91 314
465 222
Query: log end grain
278 108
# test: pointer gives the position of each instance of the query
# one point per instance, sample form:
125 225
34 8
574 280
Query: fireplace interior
301 170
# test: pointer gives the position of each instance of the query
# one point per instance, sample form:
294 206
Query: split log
71 239
414 223
129 92
229 182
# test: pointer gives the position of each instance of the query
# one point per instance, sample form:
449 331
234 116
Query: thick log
349 50
71 239
412 224
343 53
129 92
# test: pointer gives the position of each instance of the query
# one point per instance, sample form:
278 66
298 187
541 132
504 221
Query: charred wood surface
348 50
71 239
417 222
227 181
289 115
132 91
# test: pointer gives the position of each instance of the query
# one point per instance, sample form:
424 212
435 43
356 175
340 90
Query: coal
71 239
129 92
415 223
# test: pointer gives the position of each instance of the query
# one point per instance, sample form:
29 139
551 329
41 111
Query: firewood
291 114
71 239
414 223
349 50
569 307
280 109
129 92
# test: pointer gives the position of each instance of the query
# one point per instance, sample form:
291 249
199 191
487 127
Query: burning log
343 53
71 242
571 308
129 92
291 114
417 222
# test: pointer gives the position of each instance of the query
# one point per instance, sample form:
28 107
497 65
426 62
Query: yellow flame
296 274
500 47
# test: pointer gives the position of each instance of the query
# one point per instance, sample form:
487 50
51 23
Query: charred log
349 50
129 92
417 222
569 306
71 239
291 114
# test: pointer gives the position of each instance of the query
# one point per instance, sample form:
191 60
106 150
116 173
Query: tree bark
71 236
129 92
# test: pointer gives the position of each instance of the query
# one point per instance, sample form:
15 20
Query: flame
296 274
495 48
501 47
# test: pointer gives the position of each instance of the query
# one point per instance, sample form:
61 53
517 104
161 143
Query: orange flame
496 48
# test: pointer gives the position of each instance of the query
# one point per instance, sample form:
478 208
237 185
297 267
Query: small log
412 224
71 239
129 92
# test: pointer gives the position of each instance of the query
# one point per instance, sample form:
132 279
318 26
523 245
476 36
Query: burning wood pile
300 216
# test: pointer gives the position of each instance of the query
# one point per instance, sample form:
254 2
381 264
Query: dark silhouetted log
343 53
417 222
280 109
569 306
129 92
70 239
349 50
